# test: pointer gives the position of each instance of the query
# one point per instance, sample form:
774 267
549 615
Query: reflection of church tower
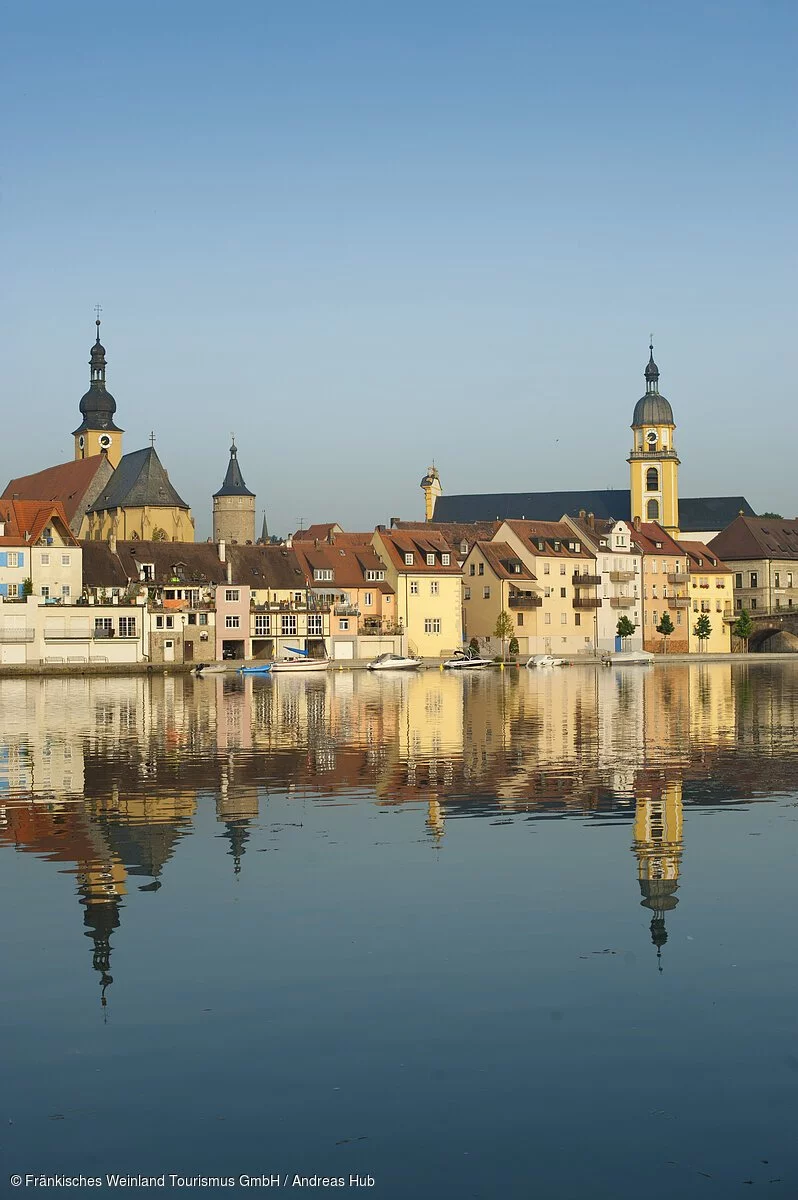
653 462
97 433
101 886
431 487
237 807
234 506
436 822
658 849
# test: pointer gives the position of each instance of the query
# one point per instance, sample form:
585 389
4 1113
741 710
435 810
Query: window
298 598
547 568
520 619
343 624
409 558
127 626
472 570
482 568
13 591
103 627
547 591
14 557
654 566
562 593
430 560
288 625
45 592
232 596
789 579
315 625
65 560
776 578
263 624
446 559
203 618
467 593
413 587
433 588
170 622
753 604
563 568
322 573
147 572
486 593
577 618
432 624
45 560
738 579
374 576
368 599
738 603
754 577
652 479
563 618
192 618
66 591
652 510
547 618
158 622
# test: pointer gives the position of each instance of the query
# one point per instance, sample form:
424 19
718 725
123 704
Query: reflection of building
658 849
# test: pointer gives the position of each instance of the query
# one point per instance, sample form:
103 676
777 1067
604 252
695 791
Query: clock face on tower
105 441
81 441
651 437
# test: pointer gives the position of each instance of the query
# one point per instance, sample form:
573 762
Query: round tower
234 506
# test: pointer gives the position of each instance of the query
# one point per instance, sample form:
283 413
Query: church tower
97 433
431 487
234 506
653 462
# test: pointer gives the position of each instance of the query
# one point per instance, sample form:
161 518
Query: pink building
232 621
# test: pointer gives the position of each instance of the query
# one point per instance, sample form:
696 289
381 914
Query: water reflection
104 777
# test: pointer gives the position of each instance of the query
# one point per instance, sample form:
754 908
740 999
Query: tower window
652 510
652 479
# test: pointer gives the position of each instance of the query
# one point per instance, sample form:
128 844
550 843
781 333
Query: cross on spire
152 437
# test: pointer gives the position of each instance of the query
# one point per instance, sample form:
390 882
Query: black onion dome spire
98 406
234 481
652 409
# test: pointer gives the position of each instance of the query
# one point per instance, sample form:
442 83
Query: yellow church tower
653 461
97 433
431 487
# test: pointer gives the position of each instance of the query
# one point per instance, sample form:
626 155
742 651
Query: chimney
289 541
395 521
112 543
636 522
316 543
591 520
222 552
582 514
229 571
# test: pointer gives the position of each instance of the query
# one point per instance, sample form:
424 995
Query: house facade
497 580
762 553
711 591
426 582
619 563
665 580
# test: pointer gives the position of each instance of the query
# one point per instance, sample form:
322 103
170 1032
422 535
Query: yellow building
496 580
653 462
431 487
97 432
427 584
138 502
711 592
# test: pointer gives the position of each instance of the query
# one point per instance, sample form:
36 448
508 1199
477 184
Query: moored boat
620 657
394 662
545 660
465 659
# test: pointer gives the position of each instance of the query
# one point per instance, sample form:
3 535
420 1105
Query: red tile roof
530 532
66 484
653 539
419 543
502 559
24 521
701 558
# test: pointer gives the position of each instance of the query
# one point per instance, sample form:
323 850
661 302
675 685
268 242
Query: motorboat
213 668
619 658
466 659
300 664
260 669
394 662
545 660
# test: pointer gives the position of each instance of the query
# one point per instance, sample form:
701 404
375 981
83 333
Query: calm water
521 934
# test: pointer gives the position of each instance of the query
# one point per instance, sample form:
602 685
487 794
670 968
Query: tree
504 628
743 627
666 628
473 645
512 648
772 516
702 629
625 629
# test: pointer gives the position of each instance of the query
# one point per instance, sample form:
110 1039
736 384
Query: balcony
622 576
678 601
346 610
17 635
524 600
585 580
677 577
623 601
387 630
587 602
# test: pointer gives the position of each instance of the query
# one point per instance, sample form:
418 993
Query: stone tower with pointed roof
98 433
234 506
653 461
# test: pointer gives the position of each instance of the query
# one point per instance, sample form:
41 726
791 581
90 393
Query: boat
394 662
619 658
465 659
545 660
213 668
260 669
300 664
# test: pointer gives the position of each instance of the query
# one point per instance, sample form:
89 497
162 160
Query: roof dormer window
409 558
445 560
430 560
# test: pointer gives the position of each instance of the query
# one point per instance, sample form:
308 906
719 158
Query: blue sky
364 236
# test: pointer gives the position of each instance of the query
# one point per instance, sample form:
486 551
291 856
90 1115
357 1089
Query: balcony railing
587 602
17 635
346 610
524 600
585 580
622 576
677 577
678 601
623 601
380 631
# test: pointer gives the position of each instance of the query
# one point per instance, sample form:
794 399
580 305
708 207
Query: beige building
619 563
711 588
426 581
664 585
496 580
762 553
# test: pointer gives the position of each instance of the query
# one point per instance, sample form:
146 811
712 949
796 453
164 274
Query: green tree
772 516
473 645
512 648
702 629
665 627
504 628
27 587
743 627
625 629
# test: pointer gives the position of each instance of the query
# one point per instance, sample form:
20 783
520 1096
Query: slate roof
67 483
275 567
757 537
139 480
233 484
191 562
698 514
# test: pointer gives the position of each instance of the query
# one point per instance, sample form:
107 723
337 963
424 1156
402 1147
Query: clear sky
366 235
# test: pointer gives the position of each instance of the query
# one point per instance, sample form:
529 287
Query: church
653 494
104 492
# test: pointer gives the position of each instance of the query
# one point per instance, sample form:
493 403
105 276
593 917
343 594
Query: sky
364 237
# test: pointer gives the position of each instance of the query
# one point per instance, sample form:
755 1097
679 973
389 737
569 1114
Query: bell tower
431 487
234 506
97 432
653 461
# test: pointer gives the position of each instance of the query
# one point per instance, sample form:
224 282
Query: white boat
213 668
545 660
619 658
300 664
394 662
465 659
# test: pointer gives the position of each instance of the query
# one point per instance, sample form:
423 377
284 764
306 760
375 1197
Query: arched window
652 479
652 510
